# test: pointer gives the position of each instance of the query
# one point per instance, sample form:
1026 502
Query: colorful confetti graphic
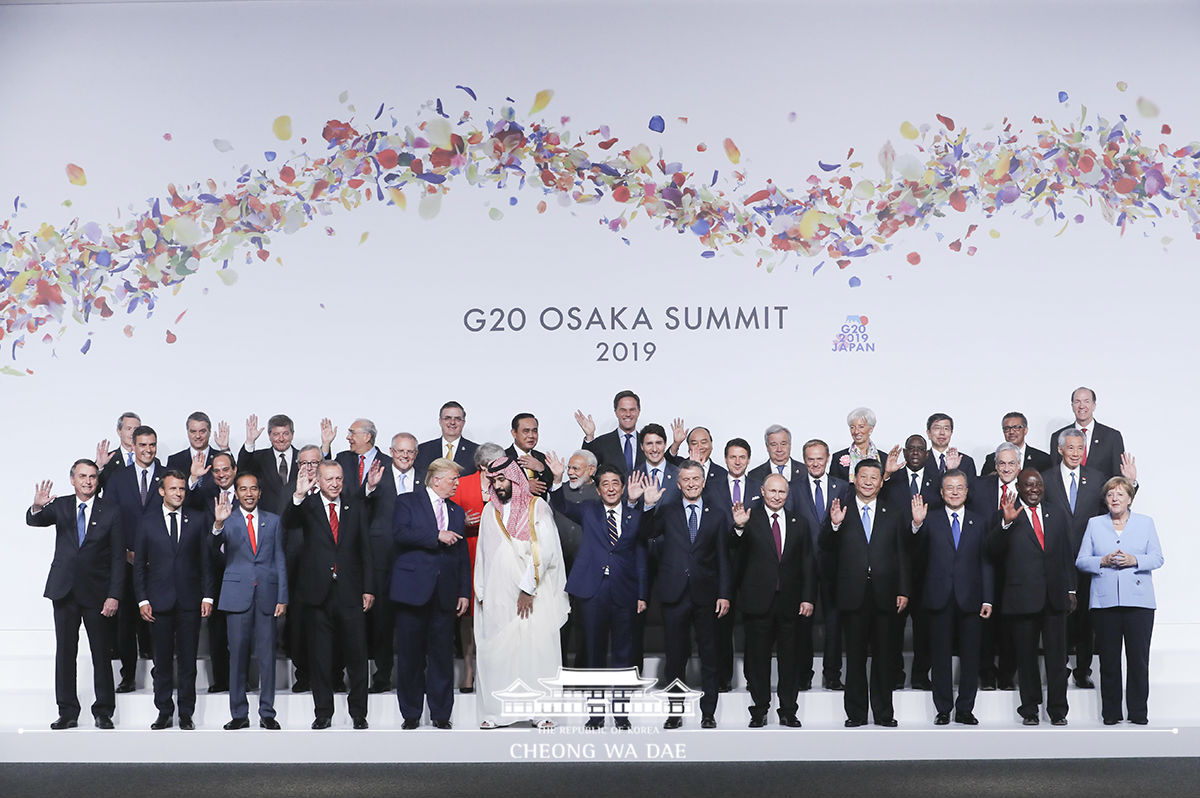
84 271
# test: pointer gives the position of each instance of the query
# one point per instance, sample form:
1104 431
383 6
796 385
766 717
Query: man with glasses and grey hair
778 439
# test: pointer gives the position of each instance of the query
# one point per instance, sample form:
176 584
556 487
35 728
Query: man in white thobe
519 592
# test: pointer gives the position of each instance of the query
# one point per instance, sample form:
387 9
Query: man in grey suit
254 592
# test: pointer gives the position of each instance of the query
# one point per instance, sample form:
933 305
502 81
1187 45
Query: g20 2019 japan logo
853 336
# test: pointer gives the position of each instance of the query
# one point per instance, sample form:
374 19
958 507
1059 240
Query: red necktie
250 529
333 522
1085 444
777 533
1037 527
1003 494
362 459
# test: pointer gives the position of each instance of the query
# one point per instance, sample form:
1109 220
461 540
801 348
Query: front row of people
756 554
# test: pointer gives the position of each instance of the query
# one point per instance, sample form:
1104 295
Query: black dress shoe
1006 684
725 687
921 683
361 723
987 682
470 688
1031 721
805 685
218 688
673 722
380 687
757 722
851 723
321 723
1139 721
890 723
237 723
186 723
268 723
899 684
409 724
339 686
103 722
1058 721
942 719
300 686
833 683
594 723
708 722
1085 682
790 721
1111 721
442 724
622 724
64 723
126 686
164 721
966 718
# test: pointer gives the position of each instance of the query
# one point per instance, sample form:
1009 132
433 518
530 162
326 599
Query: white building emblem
584 692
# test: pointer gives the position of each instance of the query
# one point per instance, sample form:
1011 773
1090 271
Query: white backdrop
338 326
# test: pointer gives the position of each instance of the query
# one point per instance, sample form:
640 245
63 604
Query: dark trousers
997 657
779 629
1052 626
176 635
132 632
678 621
571 637
944 625
218 647
68 614
250 632
723 629
425 667
920 641
609 618
381 631
332 625
1080 633
1131 626
863 628
831 664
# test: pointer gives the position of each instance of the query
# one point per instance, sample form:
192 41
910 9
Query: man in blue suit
431 586
254 592
609 573
173 585
695 581
957 593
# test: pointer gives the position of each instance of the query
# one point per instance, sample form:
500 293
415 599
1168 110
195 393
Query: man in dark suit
579 487
215 479
199 432
381 620
1103 446
134 491
779 457
943 456
1032 541
1015 426
609 574
431 585
452 445
776 587
85 584
997 659
335 583
700 447
1077 491
524 451
275 467
812 498
112 461
620 446
873 585
694 582
295 634
957 593
254 595
172 583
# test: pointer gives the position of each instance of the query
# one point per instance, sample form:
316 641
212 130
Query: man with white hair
520 601
778 439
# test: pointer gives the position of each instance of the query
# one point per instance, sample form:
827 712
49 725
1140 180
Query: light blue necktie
1074 492
866 521
81 523
129 459
955 528
693 522
403 479
628 454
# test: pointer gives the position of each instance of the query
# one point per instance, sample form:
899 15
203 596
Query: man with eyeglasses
294 634
452 445
1015 426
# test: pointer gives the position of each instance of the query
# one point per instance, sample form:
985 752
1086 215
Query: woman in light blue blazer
1120 550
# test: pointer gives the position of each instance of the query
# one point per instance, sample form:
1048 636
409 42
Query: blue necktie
942 466
780 469
693 522
655 475
820 501
955 528
403 479
1074 492
628 454
129 459
866 521
914 488
81 523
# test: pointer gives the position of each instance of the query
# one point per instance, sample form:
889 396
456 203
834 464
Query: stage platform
27 698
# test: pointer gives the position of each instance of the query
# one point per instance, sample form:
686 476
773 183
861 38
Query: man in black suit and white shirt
199 431
778 439
986 498
943 456
1015 426
524 451
112 461
1103 446
700 446
620 446
452 445
275 467
85 584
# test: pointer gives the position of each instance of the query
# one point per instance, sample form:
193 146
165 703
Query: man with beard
578 488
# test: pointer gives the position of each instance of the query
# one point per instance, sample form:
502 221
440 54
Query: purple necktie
737 491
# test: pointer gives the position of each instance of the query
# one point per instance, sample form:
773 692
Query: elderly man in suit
451 445
431 585
254 593
776 587
778 440
873 585
85 584
997 660
580 486
1032 543
275 466
335 582
173 585
957 593
620 446
1015 426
